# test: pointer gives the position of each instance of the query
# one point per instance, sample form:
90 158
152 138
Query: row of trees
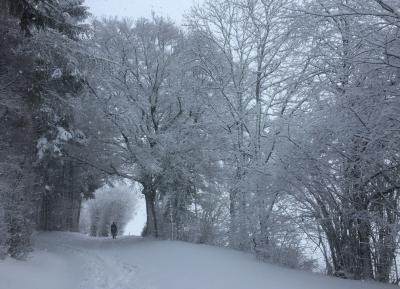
113 203
267 126
39 187
266 121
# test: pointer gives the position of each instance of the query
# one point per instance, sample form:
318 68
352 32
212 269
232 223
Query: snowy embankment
74 261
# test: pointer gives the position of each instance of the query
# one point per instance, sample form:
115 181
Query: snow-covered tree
343 163
65 15
151 128
248 52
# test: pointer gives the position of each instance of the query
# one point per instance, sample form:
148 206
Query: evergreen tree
29 87
64 16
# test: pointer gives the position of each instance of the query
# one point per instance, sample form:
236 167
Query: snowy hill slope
74 261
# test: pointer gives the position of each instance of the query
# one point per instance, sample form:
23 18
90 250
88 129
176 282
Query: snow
43 270
57 73
42 146
63 135
71 260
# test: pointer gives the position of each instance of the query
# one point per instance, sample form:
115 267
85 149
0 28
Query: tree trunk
151 222
233 219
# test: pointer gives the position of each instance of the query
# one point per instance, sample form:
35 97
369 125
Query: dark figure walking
114 230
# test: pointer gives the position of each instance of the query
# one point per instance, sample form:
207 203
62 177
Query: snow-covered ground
74 261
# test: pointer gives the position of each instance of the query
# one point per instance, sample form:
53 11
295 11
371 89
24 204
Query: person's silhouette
114 230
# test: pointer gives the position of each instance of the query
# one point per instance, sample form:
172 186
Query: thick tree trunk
151 222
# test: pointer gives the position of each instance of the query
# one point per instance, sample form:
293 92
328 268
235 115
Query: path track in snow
91 260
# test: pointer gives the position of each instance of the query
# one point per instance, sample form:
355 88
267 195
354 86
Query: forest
268 126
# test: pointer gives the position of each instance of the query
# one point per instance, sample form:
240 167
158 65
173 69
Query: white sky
174 9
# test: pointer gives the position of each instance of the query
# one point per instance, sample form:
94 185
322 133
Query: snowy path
74 261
